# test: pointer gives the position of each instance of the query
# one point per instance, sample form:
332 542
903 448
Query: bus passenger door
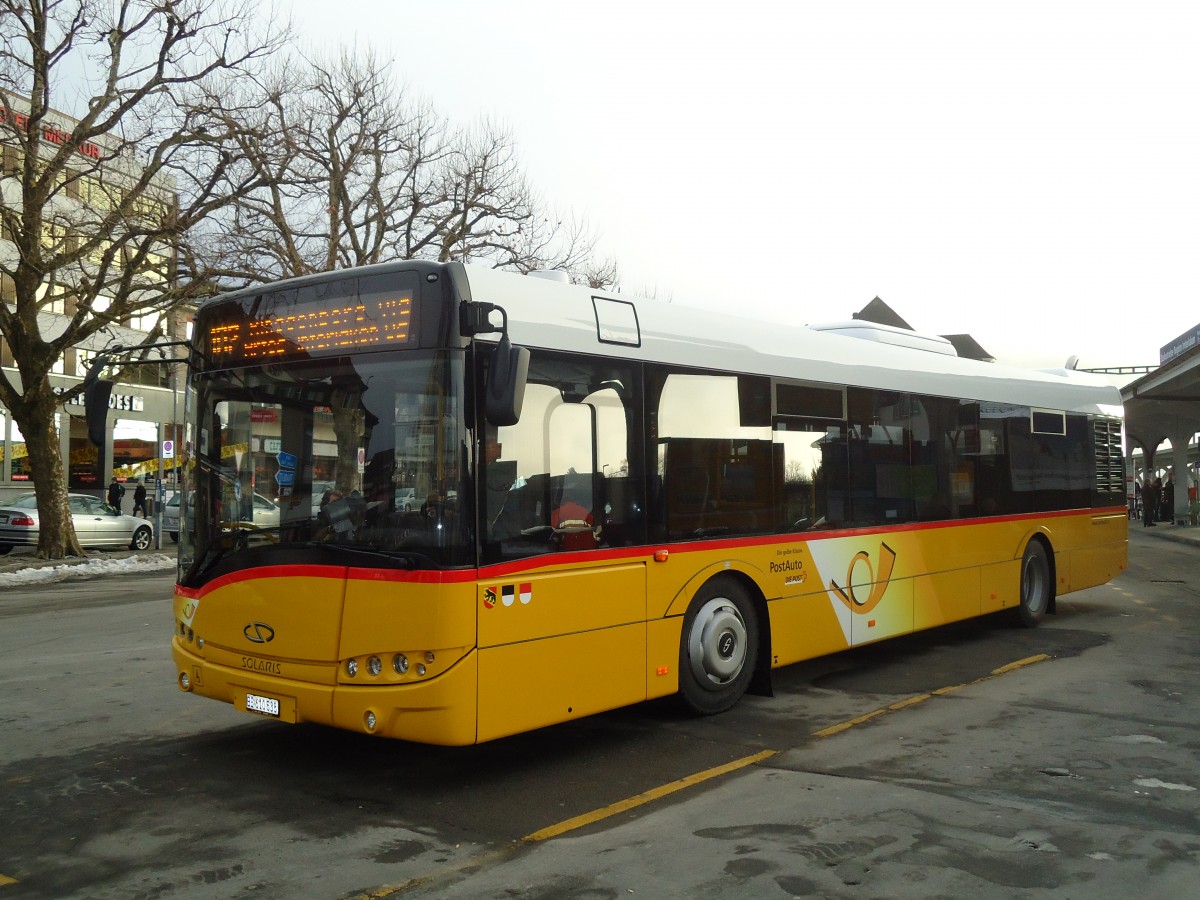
562 621
559 645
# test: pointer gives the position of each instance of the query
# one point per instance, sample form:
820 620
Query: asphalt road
973 760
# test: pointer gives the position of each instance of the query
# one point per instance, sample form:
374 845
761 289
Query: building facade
145 410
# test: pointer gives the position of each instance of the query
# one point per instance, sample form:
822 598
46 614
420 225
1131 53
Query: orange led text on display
344 327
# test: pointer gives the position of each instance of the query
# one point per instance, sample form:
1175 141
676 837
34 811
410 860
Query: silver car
96 524
265 514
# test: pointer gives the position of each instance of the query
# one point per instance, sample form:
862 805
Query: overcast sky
1026 172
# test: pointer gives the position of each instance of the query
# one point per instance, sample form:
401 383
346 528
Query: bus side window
573 439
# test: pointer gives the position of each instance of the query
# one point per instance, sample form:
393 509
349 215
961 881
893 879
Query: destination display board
349 314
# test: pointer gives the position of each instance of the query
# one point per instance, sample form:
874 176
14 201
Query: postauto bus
506 501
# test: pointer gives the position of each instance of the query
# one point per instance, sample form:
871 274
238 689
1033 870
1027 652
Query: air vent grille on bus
1110 466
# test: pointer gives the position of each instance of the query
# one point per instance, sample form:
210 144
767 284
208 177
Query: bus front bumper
438 711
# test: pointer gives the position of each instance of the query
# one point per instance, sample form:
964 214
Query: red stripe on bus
620 554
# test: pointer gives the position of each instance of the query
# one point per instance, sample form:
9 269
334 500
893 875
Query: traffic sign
168 448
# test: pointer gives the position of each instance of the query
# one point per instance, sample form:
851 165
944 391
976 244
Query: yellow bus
506 502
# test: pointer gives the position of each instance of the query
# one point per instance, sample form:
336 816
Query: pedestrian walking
115 492
139 499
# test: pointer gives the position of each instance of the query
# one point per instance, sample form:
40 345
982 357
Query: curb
1170 533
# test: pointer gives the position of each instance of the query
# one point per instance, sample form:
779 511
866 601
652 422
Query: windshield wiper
229 540
205 564
407 557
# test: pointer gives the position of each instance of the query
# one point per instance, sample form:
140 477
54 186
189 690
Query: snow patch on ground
154 562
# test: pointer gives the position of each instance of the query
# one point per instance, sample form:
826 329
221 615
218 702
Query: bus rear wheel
1035 586
718 648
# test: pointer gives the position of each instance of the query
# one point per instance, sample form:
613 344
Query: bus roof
544 313
547 313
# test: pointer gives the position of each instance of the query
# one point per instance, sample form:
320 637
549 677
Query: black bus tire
718 647
1036 586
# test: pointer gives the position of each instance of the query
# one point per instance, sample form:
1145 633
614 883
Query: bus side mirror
505 389
96 393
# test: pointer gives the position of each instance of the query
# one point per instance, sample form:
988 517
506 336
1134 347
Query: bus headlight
374 666
352 667
400 663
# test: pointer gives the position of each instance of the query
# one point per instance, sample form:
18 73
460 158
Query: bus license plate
267 706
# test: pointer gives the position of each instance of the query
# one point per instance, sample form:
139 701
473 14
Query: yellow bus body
511 648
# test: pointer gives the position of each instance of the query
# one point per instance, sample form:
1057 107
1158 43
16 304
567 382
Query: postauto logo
864 587
866 575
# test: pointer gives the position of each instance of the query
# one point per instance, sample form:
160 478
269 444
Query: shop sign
118 402
1179 346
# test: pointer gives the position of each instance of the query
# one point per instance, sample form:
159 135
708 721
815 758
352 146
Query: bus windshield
359 458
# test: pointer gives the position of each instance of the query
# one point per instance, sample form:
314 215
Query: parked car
265 514
406 499
96 524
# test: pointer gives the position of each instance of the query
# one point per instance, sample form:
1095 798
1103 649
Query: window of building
19 453
12 159
144 321
84 459
135 449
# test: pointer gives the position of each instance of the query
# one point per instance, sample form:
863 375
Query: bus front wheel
1035 585
718 648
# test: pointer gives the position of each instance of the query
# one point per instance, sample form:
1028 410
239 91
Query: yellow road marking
4 879
596 815
921 698
497 855
645 797
1013 666
949 689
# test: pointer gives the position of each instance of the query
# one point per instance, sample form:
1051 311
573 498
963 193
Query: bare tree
360 173
100 209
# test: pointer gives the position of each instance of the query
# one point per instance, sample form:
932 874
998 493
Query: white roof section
548 314
889 334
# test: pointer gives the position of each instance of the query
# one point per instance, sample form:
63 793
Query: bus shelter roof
1164 404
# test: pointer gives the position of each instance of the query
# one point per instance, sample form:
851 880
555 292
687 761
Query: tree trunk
348 427
35 417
